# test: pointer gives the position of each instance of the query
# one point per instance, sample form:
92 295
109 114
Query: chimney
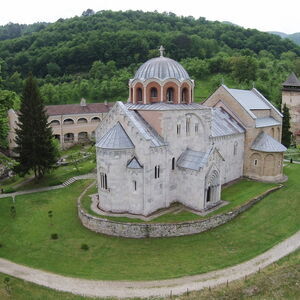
82 102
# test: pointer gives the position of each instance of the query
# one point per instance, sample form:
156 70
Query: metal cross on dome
161 50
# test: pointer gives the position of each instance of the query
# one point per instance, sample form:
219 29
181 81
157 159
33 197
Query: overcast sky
264 15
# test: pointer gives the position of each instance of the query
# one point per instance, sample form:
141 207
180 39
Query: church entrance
212 191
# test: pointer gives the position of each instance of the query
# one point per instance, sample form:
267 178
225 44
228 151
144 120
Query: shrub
9 190
84 247
54 236
1 245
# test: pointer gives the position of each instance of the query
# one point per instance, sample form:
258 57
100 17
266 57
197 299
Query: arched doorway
212 190
170 94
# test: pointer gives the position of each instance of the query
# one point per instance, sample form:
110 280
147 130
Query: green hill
295 37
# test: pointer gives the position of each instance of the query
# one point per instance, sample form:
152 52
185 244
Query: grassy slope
278 281
26 239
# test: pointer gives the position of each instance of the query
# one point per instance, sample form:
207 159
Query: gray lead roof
116 138
267 121
193 160
165 106
292 81
223 124
161 68
266 143
134 164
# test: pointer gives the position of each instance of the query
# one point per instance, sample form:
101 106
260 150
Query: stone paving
144 289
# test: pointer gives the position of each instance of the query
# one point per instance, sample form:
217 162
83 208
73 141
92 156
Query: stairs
69 181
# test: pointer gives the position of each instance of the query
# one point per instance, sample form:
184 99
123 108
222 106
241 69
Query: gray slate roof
223 124
134 164
164 106
251 100
266 143
267 121
143 127
161 68
115 138
292 81
193 160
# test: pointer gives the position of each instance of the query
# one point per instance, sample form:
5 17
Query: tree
35 148
286 134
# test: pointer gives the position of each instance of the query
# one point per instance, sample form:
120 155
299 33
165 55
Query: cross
161 50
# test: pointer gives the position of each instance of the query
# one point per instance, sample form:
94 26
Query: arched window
173 163
95 120
103 181
170 94
156 171
139 95
54 123
187 126
69 138
82 136
178 129
68 122
273 132
184 95
153 92
81 121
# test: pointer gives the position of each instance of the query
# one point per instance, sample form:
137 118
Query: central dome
161 68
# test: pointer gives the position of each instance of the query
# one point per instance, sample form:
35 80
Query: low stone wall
155 230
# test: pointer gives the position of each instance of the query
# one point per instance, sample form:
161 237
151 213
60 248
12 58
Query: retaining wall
155 230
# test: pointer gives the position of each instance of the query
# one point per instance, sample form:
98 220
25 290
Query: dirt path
122 289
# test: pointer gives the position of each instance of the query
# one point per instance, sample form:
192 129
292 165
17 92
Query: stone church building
161 147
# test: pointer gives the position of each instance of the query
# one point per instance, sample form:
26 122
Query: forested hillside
295 37
94 55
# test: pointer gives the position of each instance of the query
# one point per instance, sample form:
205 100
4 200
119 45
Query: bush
1 245
54 236
9 190
84 247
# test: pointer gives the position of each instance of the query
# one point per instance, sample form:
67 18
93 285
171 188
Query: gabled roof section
266 143
251 100
143 127
224 124
163 106
134 164
116 138
193 160
292 81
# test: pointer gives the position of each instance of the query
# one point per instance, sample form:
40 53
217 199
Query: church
161 147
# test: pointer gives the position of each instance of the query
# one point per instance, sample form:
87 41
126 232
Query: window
196 128
184 95
139 95
178 129
156 171
187 127
153 92
235 148
173 163
134 185
103 181
170 94
255 162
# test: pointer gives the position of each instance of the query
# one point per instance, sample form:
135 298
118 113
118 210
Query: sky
264 15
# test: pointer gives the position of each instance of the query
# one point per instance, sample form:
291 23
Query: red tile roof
70 109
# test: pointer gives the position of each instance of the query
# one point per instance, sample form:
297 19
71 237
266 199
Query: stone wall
142 230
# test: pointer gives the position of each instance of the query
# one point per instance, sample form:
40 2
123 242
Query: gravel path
122 289
50 188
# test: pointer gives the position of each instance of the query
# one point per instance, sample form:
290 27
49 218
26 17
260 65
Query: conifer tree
35 146
286 133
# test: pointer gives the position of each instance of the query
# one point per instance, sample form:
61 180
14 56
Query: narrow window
235 148
187 126
153 92
178 129
196 128
255 162
170 94
173 163
156 171
134 185
139 95
103 181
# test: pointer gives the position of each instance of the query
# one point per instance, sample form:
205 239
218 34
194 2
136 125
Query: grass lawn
278 281
26 239
235 194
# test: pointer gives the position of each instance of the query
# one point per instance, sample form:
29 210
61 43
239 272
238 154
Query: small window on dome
139 95
153 92
170 94
184 95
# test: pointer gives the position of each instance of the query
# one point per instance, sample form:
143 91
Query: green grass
236 194
278 281
26 239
